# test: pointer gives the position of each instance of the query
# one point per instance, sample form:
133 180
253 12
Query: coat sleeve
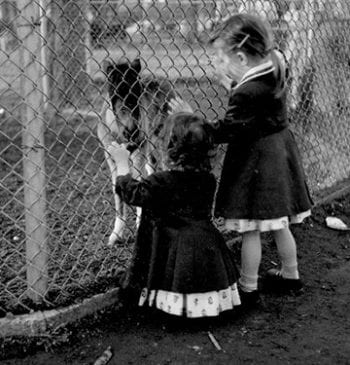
239 119
138 193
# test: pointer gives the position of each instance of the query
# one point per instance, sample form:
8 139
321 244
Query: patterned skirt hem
194 305
247 225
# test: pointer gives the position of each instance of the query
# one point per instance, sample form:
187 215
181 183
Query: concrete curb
41 322
342 189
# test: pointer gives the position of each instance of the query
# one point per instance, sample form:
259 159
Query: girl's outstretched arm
239 119
130 190
149 192
135 192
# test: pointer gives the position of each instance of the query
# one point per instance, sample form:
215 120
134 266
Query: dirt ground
313 328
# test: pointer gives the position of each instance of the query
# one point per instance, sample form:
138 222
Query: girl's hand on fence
179 105
121 156
119 152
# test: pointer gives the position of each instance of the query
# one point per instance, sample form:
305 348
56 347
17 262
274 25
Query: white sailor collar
255 72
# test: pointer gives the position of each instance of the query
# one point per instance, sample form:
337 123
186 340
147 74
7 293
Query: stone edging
342 190
39 323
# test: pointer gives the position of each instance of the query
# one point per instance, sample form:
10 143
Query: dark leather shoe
249 299
274 281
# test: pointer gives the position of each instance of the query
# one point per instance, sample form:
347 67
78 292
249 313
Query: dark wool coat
177 248
262 176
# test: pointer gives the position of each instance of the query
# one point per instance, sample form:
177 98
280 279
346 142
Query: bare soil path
313 328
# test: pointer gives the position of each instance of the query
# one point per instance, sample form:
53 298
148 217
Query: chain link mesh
67 42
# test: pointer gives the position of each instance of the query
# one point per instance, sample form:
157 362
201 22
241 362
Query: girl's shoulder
246 94
160 177
167 177
261 86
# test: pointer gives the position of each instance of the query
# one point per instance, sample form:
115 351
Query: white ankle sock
287 251
248 283
290 272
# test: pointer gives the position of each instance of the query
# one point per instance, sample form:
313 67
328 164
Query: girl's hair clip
243 41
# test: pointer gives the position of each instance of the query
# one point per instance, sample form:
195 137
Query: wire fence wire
57 206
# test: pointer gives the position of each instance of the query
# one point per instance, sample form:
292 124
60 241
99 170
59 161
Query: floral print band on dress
194 305
247 225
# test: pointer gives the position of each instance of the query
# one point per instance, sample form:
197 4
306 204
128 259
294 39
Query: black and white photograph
174 182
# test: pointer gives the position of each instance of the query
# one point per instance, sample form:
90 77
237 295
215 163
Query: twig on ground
105 357
214 341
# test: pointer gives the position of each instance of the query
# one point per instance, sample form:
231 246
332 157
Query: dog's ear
108 66
136 65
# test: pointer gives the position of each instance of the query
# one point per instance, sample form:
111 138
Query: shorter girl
181 264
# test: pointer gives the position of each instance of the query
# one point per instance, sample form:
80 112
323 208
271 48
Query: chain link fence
57 206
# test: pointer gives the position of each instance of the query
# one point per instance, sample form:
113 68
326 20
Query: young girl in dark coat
181 264
262 186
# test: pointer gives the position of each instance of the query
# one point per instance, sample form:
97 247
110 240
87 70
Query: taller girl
262 186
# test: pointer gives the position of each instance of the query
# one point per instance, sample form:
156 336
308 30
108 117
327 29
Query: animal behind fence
134 113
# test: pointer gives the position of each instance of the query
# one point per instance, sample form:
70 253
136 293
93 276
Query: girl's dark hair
191 143
254 36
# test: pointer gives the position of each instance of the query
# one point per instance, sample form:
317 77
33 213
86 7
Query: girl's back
183 194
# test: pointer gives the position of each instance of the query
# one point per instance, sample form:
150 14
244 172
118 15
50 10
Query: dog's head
125 89
140 106
124 85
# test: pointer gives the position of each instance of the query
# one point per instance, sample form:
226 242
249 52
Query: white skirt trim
247 225
196 305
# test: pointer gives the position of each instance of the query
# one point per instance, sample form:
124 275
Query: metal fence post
33 150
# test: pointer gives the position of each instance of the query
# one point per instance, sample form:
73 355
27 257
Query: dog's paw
114 240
